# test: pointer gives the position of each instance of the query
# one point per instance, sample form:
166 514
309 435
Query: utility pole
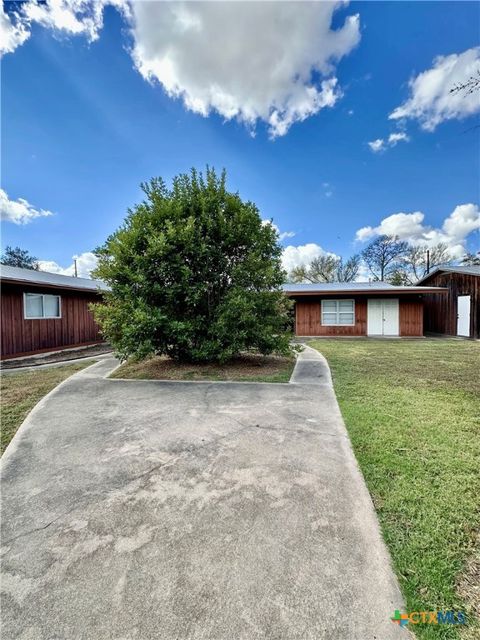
75 267
428 260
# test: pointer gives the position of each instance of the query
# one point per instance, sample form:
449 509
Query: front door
382 317
463 316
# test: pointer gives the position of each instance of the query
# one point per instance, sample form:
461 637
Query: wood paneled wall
411 317
440 311
308 318
20 336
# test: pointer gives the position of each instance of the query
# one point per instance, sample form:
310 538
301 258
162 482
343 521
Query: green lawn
412 409
20 392
245 368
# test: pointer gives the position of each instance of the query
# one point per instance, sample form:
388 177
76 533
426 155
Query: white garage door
382 317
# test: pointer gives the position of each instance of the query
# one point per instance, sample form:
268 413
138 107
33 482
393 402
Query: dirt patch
468 588
248 367
58 356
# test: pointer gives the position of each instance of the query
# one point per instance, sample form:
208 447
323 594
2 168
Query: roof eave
372 292
49 285
428 275
463 271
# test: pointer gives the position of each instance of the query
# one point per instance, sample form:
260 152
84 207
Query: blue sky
82 125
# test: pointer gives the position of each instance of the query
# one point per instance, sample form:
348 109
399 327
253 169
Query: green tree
398 278
194 275
327 269
16 257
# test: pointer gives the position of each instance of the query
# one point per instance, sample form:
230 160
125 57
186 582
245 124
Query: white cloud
403 225
301 255
327 189
249 61
86 262
19 211
73 18
464 220
377 145
281 234
13 33
286 234
431 102
393 139
70 17
264 61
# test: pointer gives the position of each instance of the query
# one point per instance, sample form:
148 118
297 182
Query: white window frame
337 312
44 317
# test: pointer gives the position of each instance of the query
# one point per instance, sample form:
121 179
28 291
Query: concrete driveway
214 511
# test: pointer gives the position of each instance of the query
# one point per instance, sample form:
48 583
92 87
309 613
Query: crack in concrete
30 531
128 481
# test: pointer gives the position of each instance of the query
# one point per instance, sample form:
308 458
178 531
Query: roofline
49 285
392 292
430 273
445 270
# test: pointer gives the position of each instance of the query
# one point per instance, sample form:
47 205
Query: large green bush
194 274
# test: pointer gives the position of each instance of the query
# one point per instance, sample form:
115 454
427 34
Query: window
39 305
338 312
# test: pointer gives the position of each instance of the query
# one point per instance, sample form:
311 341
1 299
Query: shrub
194 274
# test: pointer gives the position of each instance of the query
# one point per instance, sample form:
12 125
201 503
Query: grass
412 410
247 368
20 392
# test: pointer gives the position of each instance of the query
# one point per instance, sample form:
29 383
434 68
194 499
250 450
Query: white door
375 318
382 317
463 316
390 317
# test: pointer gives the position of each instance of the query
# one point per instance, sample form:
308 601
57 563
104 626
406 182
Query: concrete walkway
53 365
190 510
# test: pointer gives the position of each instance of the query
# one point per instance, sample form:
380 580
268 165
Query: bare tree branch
383 256
471 85
327 269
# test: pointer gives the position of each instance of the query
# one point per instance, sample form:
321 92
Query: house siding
308 317
411 318
20 336
440 312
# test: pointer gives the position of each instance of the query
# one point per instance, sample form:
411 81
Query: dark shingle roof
30 276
